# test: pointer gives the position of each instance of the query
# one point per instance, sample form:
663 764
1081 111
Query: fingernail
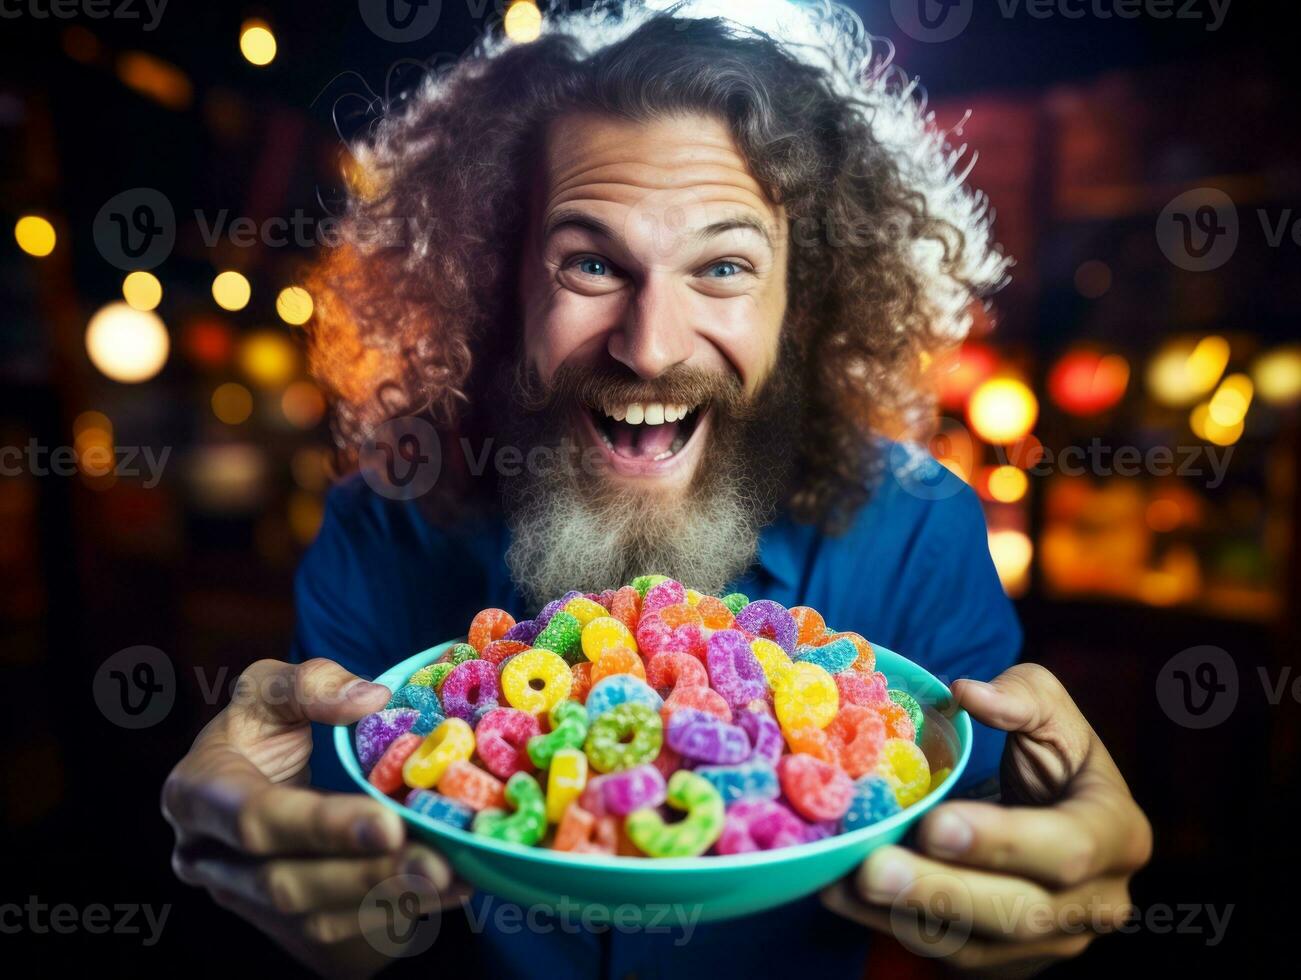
371 834
359 690
948 835
978 685
886 878
428 867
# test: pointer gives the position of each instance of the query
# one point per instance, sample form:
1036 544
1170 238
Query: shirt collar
783 546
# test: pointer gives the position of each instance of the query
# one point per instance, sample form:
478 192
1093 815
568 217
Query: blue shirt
912 572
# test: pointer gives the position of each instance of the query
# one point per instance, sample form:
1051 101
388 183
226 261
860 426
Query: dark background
1086 129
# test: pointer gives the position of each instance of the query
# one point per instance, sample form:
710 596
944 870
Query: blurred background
1128 413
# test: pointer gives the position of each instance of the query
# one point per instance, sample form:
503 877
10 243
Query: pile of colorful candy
764 726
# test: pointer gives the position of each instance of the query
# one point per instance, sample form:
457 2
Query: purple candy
550 609
763 617
759 825
525 631
375 732
701 736
765 735
619 793
734 672
469 686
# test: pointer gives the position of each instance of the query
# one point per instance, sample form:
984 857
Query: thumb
316 690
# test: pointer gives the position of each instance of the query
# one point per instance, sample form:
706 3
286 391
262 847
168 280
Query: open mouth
646 432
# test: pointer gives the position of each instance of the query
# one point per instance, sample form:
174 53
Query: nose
656 332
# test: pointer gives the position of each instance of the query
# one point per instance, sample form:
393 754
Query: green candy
433 675
689 837
644 583
909 704
526 824
562 635
606 749
459 654
736 601
568 731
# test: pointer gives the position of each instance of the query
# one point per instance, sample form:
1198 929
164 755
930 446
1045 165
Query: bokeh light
1093 279
1163 515
294 305
962 370
257 43
208 342
1206 428
1277 374
142 290
126 344
523 22
35 235
1086 383
1228 406
1012 552
1006 484
303 404
231 290
1002 410
232 403
268 358
1183 372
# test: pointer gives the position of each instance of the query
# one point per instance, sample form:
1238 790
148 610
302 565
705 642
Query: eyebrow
581 220
740 223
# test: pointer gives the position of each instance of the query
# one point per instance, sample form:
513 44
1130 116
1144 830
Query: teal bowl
712 887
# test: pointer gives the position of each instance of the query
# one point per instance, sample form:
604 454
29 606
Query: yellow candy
805 696
565 781
605 633
903 765
693 597
585 610
772 658
937 777
536 680
452 741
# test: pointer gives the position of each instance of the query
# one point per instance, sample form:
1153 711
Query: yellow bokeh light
306 512
35 235
256 43
294 304
232 403
303 404
1002 410
523 22
231 291
1278 376
93 444
1012 552
1228 406
91 420
142 290
125 344
1182 373
268 358
1207 428
1007 484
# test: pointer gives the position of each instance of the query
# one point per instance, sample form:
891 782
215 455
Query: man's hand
295 862
1014 887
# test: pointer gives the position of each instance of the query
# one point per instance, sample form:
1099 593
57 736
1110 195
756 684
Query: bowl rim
957 717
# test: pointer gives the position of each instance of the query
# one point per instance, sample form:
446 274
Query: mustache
595 387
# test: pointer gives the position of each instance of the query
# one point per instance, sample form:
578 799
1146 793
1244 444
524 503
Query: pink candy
760 825
668 593
501 738
655 636
619 793
857 688
817 790
671 670
734 672
468 687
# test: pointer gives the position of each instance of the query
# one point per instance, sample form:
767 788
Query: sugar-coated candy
499 651
469 685
376 731
585 609
554 606
733 670
759 825
873 801
525 631
566 779
674 669
624 736
435 806
697 698
809 625
805 696
526 824
904 767
744 781
701 736
387 774
459 654
620 660
667 762
582 674
736 601
833 656
817 790
471 786
424 700
626 606
568 721
605 633
772 658
620 689
898 723
536 680
488 625
865 662
771 620
856 734
690 836
583 833
812 741
605 598
451 741
864 689
619 793
666 593
644 583
480 710
766 742
501 739
672 628
909 704
561 635
938 777
714 613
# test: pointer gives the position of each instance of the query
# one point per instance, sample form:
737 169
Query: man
680 267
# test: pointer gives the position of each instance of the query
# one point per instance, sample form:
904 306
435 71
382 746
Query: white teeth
655 413
651 413
665 455
635 414
617 412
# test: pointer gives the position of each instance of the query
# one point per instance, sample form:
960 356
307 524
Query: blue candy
746 781
872 802
833 657
425 700
442 808
617 689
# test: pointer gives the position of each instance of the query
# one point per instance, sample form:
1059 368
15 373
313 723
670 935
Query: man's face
653 258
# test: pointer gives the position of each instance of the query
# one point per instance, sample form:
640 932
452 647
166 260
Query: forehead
676 160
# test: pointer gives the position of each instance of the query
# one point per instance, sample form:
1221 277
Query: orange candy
579 831
582 672
476 788
866 662
714 614
488 625
617 660
857 734
898 723
626 607
812 627
701 698
812 741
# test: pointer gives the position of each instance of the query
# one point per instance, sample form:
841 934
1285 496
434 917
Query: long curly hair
889 247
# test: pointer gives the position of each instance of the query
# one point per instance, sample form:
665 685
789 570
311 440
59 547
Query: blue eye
592 267
724 270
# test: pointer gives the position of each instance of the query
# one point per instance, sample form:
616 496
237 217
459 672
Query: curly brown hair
889 248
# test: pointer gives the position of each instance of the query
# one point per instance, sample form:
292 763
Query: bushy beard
573 528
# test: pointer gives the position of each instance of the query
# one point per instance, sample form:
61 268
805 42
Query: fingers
316 690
